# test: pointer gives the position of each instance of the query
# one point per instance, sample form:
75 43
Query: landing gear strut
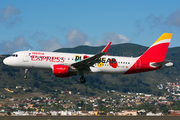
25 75
82 79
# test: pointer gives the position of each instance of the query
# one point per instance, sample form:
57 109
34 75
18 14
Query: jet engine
63 71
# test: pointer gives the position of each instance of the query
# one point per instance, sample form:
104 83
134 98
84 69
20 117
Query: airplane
68 64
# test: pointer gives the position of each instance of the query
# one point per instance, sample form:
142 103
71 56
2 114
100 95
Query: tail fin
154 57
157 52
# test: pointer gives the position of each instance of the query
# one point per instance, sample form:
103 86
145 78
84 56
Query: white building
154 114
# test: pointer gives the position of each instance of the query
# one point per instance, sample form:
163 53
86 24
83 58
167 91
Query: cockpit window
15 55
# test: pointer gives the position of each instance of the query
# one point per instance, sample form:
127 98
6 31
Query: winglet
106 48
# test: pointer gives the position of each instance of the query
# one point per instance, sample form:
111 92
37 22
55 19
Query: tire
82 79
25 76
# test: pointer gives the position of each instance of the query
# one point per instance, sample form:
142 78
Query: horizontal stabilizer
161 63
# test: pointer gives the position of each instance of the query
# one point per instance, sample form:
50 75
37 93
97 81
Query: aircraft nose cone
6 61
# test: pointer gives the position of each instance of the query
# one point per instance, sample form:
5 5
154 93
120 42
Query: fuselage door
25 57
138 64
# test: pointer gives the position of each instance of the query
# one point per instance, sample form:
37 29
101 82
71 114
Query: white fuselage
45 61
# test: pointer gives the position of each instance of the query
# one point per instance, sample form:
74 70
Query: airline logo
38 56
47 58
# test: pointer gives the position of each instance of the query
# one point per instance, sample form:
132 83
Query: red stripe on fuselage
155 54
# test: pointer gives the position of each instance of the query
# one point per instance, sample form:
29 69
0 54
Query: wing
84 64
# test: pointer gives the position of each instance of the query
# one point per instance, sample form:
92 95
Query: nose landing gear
82 79
25 73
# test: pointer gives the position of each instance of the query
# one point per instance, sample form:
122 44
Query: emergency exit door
25 57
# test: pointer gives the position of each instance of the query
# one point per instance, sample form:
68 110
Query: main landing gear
82 79
25 73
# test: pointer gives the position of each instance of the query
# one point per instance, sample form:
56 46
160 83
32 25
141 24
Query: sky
47 25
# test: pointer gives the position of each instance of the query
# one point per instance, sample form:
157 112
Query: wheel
25 73
82 79
25 76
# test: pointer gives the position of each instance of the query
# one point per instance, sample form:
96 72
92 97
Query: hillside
46 82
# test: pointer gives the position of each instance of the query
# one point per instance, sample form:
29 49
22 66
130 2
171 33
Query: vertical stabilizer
158 50
155 54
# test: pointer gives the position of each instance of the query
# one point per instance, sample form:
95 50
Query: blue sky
51 24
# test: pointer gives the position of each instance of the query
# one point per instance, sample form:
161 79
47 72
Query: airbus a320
67 64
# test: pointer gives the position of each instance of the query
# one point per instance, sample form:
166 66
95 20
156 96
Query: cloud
76 37
139 27
174 19
19 43
9 15
154 21
45 45
38 35
50 45
115 38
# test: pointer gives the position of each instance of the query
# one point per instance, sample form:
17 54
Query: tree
100 104
154 110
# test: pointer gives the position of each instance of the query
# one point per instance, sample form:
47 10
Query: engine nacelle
63 71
